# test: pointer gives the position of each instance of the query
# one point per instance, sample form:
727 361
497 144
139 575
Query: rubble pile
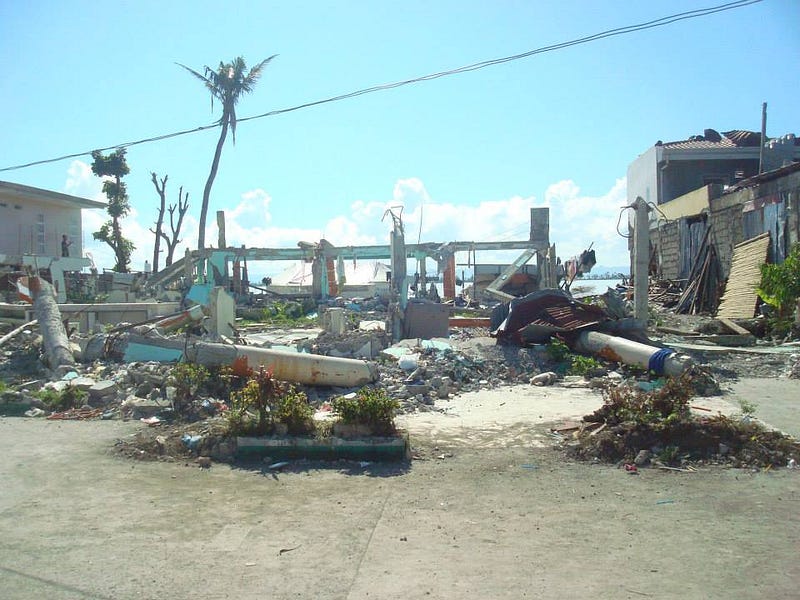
636 427
416 372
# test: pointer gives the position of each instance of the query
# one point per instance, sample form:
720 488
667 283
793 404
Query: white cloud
254 205
576 221
82 182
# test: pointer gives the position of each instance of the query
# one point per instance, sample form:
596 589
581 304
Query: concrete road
511 520
777 401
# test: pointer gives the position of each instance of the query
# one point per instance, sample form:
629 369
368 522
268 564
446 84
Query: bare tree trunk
201 235
161 190
182 206
56 345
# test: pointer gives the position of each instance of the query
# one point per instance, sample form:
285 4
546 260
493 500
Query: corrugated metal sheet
740 298
536 316
743 138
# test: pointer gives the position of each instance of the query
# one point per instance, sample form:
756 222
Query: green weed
370 406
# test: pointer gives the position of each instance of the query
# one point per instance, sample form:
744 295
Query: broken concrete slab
143 408
82 383
103 389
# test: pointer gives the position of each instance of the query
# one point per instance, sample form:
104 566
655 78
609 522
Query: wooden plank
469 322
733 326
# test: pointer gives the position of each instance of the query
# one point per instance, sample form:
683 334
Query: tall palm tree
227 84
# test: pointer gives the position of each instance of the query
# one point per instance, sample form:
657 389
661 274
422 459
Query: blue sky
470 153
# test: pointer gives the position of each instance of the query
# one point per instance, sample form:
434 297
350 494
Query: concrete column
449 277
641 259
221 243
422 290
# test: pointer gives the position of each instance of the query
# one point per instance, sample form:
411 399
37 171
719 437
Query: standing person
65 244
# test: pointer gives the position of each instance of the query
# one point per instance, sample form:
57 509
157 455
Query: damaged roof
736 138
763 177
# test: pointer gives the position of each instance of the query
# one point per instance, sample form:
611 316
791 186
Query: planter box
351 430
14 409
371 448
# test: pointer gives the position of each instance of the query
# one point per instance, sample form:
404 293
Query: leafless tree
161 190
182 207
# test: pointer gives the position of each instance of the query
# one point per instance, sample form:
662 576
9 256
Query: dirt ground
490 510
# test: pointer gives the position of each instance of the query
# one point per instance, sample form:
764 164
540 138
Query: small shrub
558 351
660 408
71 397
780 284
779 327
669 455
584 365
187 378
285 313
747 407
221 381
260 394
370 406
295 412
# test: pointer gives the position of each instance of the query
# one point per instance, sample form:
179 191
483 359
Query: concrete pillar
334 321
449 278
222 312
540 225
221 243
422 289
641 259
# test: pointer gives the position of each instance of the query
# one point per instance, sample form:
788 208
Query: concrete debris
125 373
548 378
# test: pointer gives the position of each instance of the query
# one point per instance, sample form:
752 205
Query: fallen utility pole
297 367
663 361
54 337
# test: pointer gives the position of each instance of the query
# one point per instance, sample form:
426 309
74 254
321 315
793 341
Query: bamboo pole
16 331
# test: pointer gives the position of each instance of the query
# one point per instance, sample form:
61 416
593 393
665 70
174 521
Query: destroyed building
33 226
709 197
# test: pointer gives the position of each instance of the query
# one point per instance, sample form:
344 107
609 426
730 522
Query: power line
692 14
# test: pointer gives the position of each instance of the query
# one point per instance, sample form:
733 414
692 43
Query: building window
40 235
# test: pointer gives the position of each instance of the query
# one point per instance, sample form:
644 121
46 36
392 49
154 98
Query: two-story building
708 197
33 222
669 170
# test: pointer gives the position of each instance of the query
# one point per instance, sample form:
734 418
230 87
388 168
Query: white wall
24 231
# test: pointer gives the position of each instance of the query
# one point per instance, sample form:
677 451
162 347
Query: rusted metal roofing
533 318
740 298
744 139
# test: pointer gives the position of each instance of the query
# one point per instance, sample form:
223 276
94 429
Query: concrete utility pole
641 259
763 138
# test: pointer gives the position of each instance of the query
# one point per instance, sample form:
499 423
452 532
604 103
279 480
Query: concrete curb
394 448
